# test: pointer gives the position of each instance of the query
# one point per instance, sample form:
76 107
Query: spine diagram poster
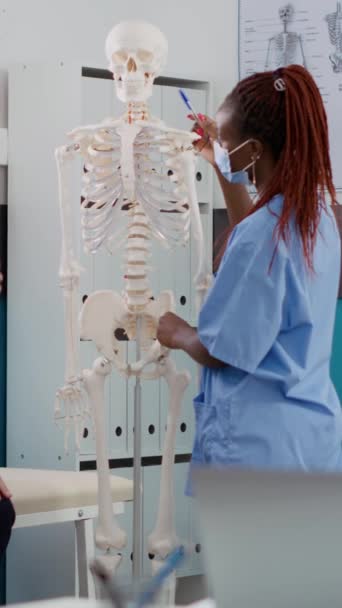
273 34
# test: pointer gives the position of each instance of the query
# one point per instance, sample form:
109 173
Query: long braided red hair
293 123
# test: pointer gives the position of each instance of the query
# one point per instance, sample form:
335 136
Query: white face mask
222 160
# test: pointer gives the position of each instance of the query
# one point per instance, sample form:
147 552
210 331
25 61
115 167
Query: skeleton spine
137 253
339 29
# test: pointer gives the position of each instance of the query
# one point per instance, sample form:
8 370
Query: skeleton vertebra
334 21
138 168
283 47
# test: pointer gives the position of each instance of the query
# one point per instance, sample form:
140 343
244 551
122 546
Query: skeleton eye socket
120 57
144 56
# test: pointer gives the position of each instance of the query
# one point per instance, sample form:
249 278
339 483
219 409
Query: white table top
40 491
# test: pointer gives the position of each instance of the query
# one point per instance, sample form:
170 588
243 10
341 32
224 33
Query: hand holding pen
203 126
208 132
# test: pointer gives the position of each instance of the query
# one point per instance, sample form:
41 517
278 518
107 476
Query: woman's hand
208 131
172 330
4 491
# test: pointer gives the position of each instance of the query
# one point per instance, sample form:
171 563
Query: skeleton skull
137 53
286 13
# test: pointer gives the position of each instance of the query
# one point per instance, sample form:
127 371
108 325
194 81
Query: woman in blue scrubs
265 331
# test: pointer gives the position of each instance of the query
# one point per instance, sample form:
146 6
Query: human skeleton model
283 48
139 168
334 21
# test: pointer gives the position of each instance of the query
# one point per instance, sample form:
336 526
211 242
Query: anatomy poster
273 34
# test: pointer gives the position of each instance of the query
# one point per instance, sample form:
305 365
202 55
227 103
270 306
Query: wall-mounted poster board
273 34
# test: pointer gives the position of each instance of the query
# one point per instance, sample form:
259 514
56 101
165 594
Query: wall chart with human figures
274 34
138 185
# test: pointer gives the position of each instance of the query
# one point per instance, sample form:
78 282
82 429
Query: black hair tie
279 73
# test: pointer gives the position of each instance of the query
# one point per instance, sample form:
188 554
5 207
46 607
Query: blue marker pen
156 583
188 104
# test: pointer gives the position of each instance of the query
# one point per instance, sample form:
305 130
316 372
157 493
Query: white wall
202 37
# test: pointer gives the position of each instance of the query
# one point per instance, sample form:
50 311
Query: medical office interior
54 78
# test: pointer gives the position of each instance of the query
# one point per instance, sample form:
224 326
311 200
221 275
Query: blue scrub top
274 405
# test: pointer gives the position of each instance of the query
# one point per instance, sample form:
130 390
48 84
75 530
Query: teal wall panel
3 266
336 361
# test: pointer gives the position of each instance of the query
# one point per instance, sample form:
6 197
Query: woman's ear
256 148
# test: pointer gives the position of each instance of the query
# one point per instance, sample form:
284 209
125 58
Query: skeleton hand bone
72 407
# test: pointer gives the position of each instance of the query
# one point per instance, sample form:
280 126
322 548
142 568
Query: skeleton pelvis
106 320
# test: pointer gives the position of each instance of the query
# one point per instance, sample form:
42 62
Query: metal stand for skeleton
127 174
137 477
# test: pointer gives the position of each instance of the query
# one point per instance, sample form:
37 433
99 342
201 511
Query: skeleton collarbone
129 151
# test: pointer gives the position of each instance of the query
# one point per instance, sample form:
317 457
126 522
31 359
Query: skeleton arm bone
71 393
302 50
202 277
69 272
268 53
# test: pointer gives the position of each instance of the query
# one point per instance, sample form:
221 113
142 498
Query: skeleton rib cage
156 184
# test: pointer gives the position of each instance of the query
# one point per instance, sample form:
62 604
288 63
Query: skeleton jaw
135 89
